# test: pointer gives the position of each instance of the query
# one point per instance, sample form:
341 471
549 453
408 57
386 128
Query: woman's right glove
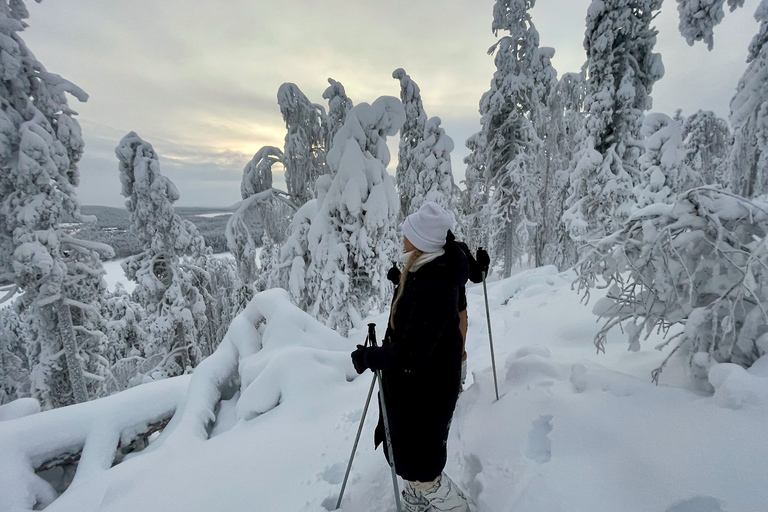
483 260
358 358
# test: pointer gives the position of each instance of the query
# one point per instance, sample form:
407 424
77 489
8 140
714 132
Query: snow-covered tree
664 172
295 257
566 122
58 275
304 150
339 106
698 263
749 117
622 69
707 141
411 134
262 217
168 287
475 197
14 363
513 112
431 167
698 18
352 236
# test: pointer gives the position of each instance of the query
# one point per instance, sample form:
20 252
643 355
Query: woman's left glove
358 358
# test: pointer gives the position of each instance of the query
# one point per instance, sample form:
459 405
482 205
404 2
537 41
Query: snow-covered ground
573 431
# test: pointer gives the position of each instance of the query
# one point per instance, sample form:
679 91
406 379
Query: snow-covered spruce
351 239
304 149
261 218
707 142
339 105
411 134
622 69
173 284
663 169
59 276
507 149
566 121
699 18
748 160
700 264
431 167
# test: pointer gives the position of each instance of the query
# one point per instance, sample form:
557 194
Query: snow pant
438 495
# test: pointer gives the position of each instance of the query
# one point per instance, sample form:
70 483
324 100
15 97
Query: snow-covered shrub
700 263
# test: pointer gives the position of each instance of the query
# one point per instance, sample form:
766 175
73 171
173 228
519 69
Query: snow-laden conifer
512 112
749 117
168 286
352 236
304 149
707 141
432 169
411 134
663 171
59 276
475 197
261 219
339 106
566 121
622 69
698 18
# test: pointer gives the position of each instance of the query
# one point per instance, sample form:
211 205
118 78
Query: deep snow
573 431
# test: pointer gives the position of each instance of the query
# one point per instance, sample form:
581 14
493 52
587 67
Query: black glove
358 358
483 260
394 274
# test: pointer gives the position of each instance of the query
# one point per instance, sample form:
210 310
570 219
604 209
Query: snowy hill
573 431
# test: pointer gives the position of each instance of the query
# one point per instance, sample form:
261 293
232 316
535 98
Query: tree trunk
74 366
509 249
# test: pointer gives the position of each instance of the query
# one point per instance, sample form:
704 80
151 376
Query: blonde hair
415 254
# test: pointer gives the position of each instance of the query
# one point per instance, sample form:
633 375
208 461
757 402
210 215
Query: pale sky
199 80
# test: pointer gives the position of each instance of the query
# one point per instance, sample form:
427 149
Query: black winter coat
420 361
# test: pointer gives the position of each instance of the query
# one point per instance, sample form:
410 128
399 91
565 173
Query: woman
420 360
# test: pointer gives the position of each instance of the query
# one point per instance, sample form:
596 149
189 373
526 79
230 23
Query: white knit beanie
427 228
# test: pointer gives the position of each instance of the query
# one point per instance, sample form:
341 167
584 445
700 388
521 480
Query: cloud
199 80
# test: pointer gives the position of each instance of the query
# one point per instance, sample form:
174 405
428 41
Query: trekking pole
372 336
357 439
490 337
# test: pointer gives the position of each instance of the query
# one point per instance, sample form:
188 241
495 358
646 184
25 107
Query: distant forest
111 227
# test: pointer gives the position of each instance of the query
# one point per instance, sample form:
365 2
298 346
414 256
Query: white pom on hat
427 228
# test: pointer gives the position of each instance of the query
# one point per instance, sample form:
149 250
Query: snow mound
19 408
736 387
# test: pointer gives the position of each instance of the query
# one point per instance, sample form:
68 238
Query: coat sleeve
435 305
475 272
